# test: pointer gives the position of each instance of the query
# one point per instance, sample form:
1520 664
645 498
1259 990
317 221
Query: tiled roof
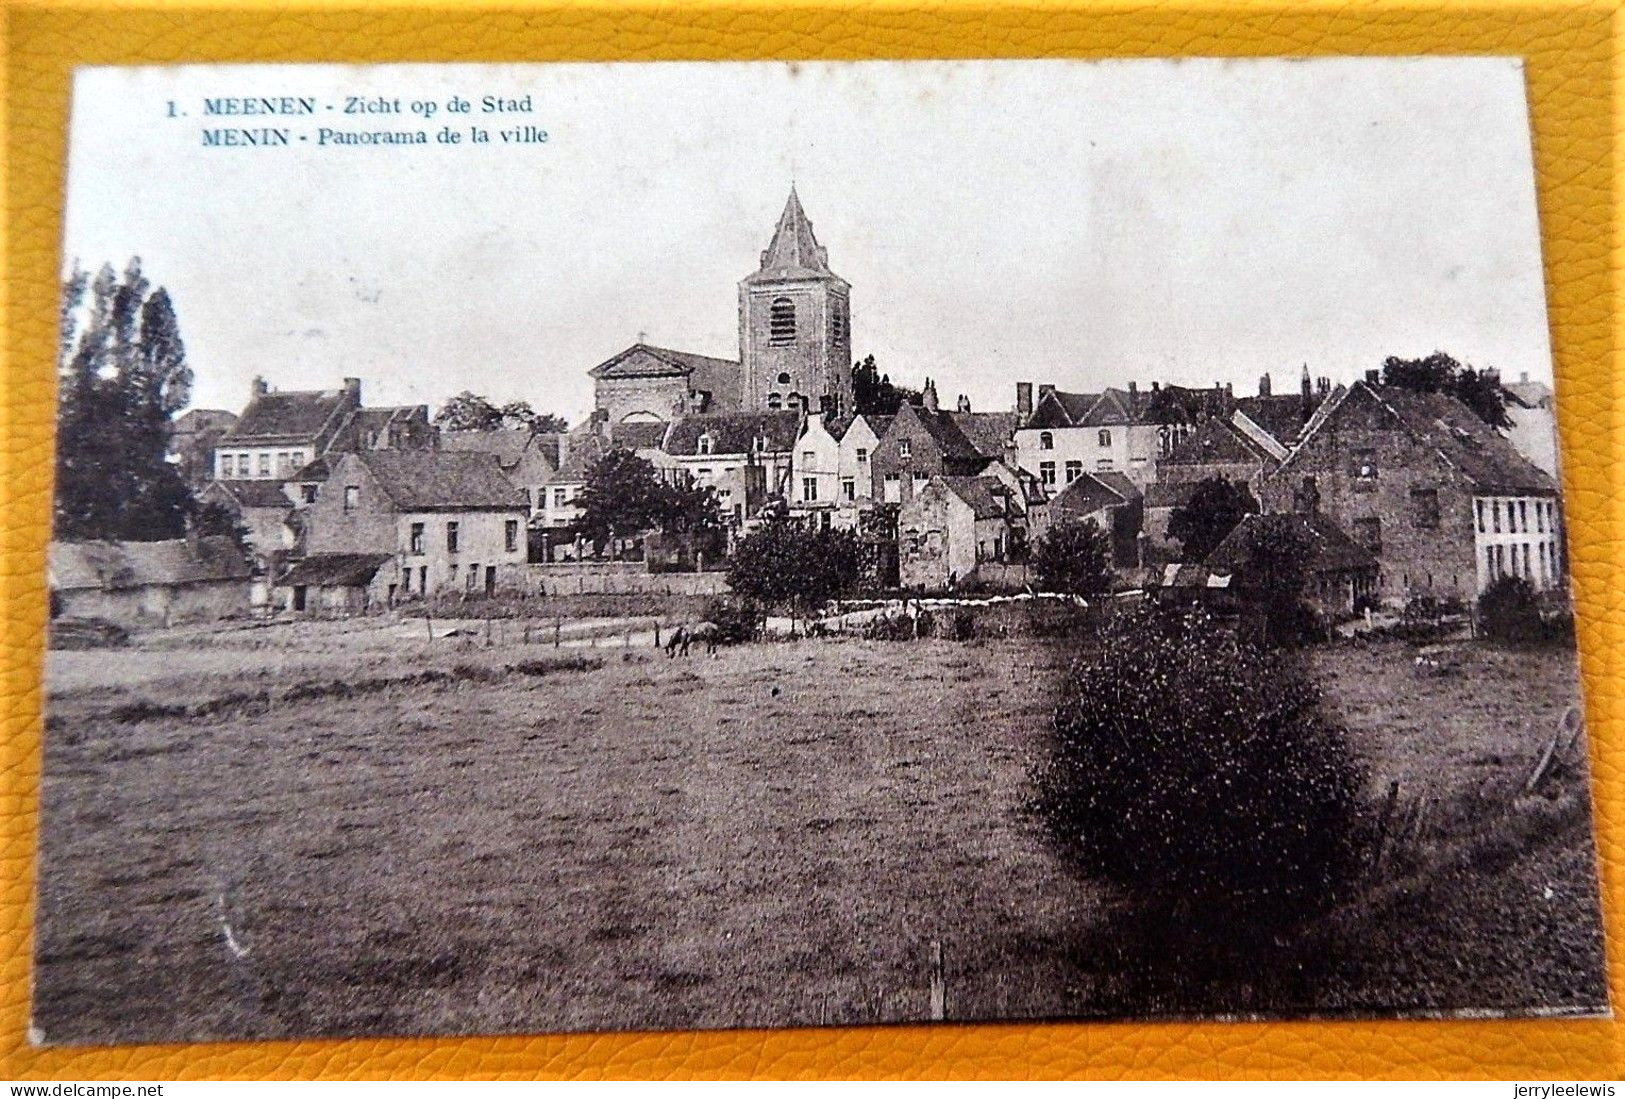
984 494
946 432
1118 483
1213 442
1528 394
1060 409
1451 430
431 480
508 446
1331 550
316 470
202 419
637 436
1085 496
733 432
344 570
121 565
291 416
1282 416
254 494
988 432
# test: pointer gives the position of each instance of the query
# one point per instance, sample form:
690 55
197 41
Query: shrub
1509 612
1073 557
958 625
736 620
1199 773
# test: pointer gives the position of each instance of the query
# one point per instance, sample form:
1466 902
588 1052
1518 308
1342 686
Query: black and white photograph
630 547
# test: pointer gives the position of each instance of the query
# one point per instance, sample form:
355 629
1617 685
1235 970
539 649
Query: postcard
572 547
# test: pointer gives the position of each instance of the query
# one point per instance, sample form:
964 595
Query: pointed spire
794 248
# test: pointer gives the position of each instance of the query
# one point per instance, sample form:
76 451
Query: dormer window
705 444
1105 438
781 323
1046 440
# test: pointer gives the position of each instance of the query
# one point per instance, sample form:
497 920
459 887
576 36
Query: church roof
733 432
793 252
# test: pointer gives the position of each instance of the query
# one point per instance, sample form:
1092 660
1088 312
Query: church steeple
794 250
795 338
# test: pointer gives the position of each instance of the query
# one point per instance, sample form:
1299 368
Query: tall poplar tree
121 376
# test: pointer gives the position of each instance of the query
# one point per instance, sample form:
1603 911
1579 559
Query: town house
435 521
924 442
745 456
1437 496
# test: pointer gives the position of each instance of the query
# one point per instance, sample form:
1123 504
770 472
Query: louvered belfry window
781 322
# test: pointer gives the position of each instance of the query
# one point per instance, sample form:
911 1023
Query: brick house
136 584
1341 575
745 456
279 432
1113 502
923 442
529 460
1443 501
449 521
951 527
264 509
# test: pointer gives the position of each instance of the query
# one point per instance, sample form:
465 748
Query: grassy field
774 836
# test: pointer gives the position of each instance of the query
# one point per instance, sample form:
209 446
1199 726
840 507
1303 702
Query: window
1046 440
406 581
1368 533
1425 508
905 448
849 488
1495 516
352 498
703 474
1103 465
451 575
1365 470
510 535
1046 474
1104 438
282 463
774 402
784 377
451 537
1523 516
298 458
415 543
1540 517
1074 470
809 489
561 496
808 458
837 324
473 575
781 323
1478 507
863 455
242 466
920 480
265 463
308 493
705 444
893 489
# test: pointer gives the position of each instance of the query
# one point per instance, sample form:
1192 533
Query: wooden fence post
1383 823
939 985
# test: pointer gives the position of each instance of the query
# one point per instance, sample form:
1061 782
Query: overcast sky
1069 222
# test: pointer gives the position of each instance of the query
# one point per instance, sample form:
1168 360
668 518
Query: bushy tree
1074 557
1274 573
1479 390
873 392
1200 774
1509 612
121 377
1215 506
787 565
469 411
625 496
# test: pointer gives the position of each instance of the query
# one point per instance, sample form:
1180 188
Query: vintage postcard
622 547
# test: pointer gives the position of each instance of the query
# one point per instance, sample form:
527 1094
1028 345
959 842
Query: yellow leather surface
1573 54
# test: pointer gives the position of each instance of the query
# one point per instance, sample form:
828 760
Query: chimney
258 387
1264 384
1024 399
964 402
1523 376
928 398
1156 387
1133 388
352 386
1308 402
1372 377
1323 385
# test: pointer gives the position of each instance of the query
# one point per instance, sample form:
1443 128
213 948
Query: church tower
795 331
